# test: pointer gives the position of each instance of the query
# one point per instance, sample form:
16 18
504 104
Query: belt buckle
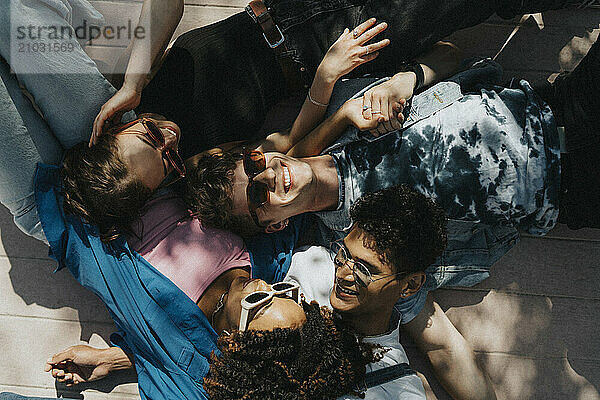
274 45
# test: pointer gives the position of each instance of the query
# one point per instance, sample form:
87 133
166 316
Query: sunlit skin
142 158
312 186
368 309
280 312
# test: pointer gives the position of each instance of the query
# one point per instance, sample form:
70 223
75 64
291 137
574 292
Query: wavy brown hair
98 187
323 359
209 193
406 228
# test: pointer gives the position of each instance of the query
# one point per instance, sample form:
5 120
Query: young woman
170 334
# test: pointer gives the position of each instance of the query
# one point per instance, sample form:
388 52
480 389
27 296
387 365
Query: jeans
68 102
232 78
14 396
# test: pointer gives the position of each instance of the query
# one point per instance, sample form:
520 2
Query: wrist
342 115
135 82
416 69
325 78
115 359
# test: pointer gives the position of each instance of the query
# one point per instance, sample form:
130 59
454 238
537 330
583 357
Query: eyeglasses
258 298
257 193
154 135
340 256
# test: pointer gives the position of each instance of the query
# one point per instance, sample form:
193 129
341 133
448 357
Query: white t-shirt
314 271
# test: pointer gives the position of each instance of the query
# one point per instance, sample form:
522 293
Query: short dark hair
209 193
406 228
98 187
322 359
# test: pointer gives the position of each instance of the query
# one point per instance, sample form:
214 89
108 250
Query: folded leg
66 85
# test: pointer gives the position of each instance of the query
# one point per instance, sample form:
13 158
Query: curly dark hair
98 187
406 228
209 192
323 359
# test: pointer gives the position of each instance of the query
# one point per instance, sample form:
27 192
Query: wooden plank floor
533 323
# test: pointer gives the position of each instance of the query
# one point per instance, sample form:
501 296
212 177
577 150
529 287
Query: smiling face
348 296
279 312
141 157
291 185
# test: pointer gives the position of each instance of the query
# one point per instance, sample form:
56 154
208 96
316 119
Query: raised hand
351 50
126 99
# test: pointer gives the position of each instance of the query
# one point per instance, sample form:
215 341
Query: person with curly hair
305 362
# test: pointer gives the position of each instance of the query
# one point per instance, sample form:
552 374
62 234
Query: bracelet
316 103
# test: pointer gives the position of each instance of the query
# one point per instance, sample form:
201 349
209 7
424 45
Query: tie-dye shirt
490 159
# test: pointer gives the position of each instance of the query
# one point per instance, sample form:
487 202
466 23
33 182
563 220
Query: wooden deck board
533 323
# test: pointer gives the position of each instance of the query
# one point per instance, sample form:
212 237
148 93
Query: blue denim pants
14 396
68 102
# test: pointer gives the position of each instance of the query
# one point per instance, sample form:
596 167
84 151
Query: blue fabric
167 333
271 255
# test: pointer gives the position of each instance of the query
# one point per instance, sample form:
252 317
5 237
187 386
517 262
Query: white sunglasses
258 298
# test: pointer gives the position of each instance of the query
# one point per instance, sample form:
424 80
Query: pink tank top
191 255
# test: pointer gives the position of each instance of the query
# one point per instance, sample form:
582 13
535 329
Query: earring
403 294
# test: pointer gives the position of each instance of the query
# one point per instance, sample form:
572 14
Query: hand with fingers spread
126 99
81 363
381 102
353 112
352 49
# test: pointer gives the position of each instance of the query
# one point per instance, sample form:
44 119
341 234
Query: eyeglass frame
352 266
252 208
246 306
166 152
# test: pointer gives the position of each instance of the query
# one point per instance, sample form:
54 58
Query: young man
397 232
491 159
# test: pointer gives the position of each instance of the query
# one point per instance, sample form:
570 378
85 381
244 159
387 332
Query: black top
217 83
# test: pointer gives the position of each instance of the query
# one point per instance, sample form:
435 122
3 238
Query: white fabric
314 271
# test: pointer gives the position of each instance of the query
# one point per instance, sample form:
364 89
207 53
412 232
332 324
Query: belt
275 39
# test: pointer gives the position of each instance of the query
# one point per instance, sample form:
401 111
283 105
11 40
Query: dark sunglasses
154 135
257 193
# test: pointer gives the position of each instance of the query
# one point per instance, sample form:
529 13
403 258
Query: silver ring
367 53
365 108
355 34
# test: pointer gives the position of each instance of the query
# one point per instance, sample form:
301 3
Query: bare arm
451 356
380 108
348 52
82 363
158 19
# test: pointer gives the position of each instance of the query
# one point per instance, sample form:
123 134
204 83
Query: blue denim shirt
169 336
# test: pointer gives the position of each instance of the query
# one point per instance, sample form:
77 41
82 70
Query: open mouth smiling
344 291
287 178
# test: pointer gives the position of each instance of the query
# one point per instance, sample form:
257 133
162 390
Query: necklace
218 308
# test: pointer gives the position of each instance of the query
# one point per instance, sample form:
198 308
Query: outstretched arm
348 52
82 363
451 356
